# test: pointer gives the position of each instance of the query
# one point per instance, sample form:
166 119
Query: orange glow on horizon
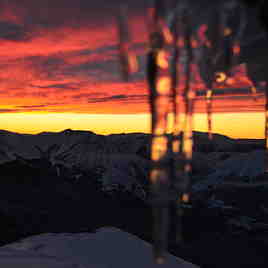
234 125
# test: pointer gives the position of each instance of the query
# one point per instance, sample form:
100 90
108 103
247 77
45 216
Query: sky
60 69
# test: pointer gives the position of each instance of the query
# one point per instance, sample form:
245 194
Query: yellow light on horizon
234 125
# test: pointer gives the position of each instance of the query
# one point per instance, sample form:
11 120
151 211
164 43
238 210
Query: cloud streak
121 98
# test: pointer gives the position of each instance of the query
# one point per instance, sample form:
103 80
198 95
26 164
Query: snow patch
108 247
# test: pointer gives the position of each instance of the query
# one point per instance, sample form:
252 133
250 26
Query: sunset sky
60 69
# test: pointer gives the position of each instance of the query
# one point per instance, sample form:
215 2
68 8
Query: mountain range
77 182
124 158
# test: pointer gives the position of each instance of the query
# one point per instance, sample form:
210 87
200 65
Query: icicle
188 99
188 141
180 181
241 17
159 86
266 120
206 64
209 112
174 82
211 38
177 160
215 46
178 44
217 40
237 41
239 35
128 60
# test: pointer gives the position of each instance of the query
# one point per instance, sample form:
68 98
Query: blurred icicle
209 39
215 47
237 43
235 10
174 82
189 96
236 40
266 121
159 86
176 24
177 46
183 159
207 73
222 39
179 26
128 60
216 43
209 112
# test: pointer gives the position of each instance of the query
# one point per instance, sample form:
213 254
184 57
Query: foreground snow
108 247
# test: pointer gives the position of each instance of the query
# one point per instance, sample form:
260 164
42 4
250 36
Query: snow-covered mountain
82 144
76 142
123 159
108 247
81 151
237 168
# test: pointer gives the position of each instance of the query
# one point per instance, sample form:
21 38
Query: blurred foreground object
180 49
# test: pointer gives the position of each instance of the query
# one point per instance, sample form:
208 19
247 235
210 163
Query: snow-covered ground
239 165
107 248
